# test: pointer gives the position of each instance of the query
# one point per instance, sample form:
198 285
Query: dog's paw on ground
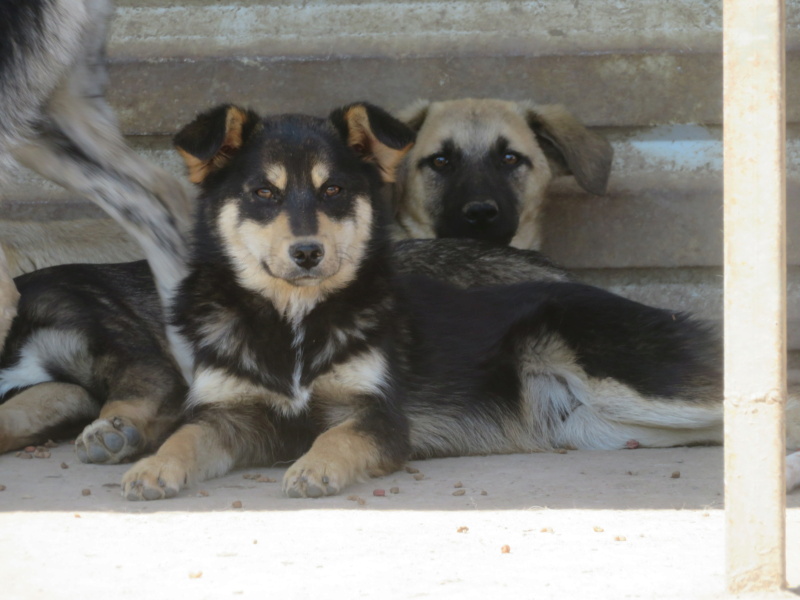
154 478
108 441
310 479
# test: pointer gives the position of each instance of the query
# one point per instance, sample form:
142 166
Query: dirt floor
596 525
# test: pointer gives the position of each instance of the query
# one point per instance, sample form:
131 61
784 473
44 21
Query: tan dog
480 168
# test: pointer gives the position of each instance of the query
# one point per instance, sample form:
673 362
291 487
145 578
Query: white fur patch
47 347
215 386
364 374
276 175
319 174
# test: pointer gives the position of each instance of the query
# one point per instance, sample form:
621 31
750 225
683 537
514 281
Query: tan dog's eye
510 159
265 193
440 162
332 190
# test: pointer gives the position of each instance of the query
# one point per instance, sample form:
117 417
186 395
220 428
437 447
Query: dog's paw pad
108 441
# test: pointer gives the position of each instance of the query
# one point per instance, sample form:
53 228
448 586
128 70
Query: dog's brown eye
332 190
265 193
510 158
440 162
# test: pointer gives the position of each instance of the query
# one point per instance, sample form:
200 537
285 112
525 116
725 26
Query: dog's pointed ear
375 135
571 148
414 114
213 138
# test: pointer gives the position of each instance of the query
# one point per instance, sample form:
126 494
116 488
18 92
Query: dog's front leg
367 445
193 453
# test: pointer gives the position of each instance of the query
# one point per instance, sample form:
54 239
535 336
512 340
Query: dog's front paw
109 441
154 478
308 478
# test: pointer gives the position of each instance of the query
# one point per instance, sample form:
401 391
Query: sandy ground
596 525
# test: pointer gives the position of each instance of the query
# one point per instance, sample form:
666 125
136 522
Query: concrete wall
647 73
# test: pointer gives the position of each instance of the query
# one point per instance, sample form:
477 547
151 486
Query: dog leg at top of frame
9 297
39 412
339 457
193 453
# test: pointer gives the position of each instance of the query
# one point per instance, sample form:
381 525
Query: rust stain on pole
755 294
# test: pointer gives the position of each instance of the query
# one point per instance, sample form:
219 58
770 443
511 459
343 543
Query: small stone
2 488
546 530
379 492
419 476
505 549
462 529
202 493
620 538
411 470
111 485
560 450
24 455
196 575
30 448
632 444
86 492
459 492
676 475
484 493
64 465
237 504
264 479
394 490
41 453
599 529
50 444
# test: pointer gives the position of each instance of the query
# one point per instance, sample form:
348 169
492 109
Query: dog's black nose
481 212
307 254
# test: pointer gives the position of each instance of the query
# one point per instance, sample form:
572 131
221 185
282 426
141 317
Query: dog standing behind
480 168
57 122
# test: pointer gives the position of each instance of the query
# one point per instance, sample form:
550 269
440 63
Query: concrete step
325 28
152 97
646 63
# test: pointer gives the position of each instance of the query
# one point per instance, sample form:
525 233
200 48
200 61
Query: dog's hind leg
44 411
142 409
79 146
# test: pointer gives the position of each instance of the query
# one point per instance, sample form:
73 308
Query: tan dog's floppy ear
375 135
414 114
208 143
571 148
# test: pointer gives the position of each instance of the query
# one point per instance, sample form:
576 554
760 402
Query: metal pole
755 294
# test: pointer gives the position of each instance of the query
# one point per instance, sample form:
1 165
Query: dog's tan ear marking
208 143
374 135
571 148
